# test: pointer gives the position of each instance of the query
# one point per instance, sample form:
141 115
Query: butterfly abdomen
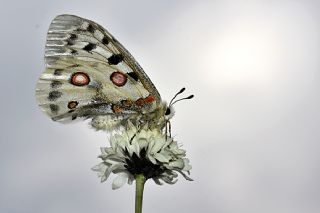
108 122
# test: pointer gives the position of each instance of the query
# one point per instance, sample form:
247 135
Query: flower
145 151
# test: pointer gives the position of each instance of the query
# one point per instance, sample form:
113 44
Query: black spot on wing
73 36
90 28
74 65
71 39
133 75
58 72
89 47
74 117
79 30
70 42
54 108
105 40
74 52
115 59
54 95
55 84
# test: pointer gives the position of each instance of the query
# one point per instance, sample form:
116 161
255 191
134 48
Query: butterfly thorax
155 118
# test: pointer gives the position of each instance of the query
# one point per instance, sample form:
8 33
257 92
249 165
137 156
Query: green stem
140 180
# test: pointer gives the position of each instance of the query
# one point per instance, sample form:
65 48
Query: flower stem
140 181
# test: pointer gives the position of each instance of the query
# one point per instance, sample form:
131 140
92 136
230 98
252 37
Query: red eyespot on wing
149 99
119 79
80 79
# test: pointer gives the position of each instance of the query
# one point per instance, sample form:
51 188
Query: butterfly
90 75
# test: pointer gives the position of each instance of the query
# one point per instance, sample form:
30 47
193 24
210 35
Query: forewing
89 73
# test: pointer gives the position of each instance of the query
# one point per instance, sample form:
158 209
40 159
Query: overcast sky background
251 132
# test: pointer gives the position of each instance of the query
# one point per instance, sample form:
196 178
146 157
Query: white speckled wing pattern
89 73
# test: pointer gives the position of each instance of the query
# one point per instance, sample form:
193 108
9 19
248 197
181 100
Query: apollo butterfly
89 74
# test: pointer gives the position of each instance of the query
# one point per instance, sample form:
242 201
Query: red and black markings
143 101
116 109
72 104
80 79
115 59
118 78
127 104
149 99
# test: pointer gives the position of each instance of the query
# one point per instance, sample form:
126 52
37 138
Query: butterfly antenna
181 91
189 97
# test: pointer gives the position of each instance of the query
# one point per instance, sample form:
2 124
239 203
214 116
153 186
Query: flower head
145 151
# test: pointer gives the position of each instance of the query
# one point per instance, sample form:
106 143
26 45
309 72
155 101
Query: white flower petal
143 143
157 181
152 159
150 145
99 167
169 180
177 164
185 176
130 179
131 127
160 157
113 142
119 181
135 147
158 145
143 134
168 142
187 166
112 168
179 151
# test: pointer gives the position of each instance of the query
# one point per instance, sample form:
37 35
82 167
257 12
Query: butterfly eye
168 111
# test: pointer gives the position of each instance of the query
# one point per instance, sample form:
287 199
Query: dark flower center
141 165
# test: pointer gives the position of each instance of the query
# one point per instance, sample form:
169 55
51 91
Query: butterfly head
169 110
168 114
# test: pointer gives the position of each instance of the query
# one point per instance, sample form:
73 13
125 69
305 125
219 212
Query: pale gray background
251 133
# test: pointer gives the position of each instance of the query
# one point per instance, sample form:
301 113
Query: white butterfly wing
89 73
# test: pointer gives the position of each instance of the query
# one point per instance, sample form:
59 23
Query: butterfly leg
166 130
169 124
